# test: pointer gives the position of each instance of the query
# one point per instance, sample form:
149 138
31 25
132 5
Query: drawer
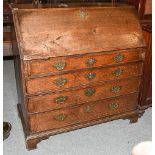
107 107
108 89
52 120
84 77
53 101
68 98
59 64
86 112
52 83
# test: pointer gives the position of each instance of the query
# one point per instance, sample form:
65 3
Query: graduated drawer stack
72 78
72 90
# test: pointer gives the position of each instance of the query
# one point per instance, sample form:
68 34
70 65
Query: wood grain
46 121
52 35
47 102
44 67
80 78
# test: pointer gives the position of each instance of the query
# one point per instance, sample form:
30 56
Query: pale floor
112 138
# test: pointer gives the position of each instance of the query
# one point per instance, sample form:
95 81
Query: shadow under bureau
77 66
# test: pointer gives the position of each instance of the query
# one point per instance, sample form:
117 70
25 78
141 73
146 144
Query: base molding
33 139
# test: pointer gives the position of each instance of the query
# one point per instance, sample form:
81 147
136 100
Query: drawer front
109 89
52 101
52 83
55 65
67 98
107 107
52 120
85 77
87 112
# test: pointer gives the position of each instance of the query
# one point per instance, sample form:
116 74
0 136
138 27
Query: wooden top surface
52 32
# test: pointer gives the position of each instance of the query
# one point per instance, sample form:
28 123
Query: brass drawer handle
117 72
91 62
115 89
90 76
118 58
61 81
59 65
61 99
87 109
113 106
60 117
89 91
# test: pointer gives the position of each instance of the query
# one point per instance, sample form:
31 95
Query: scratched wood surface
52 32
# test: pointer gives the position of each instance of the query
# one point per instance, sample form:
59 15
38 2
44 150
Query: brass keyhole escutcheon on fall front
83 14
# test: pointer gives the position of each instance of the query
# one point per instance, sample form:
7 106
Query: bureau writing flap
52 32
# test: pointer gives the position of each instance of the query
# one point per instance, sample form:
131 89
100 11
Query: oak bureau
77 66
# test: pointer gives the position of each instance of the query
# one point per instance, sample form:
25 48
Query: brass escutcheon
118 58
90 76
113 106
61 81
117 72
91 62
61 99
60 117
82 14
59 65
87 109
115 89
89 91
